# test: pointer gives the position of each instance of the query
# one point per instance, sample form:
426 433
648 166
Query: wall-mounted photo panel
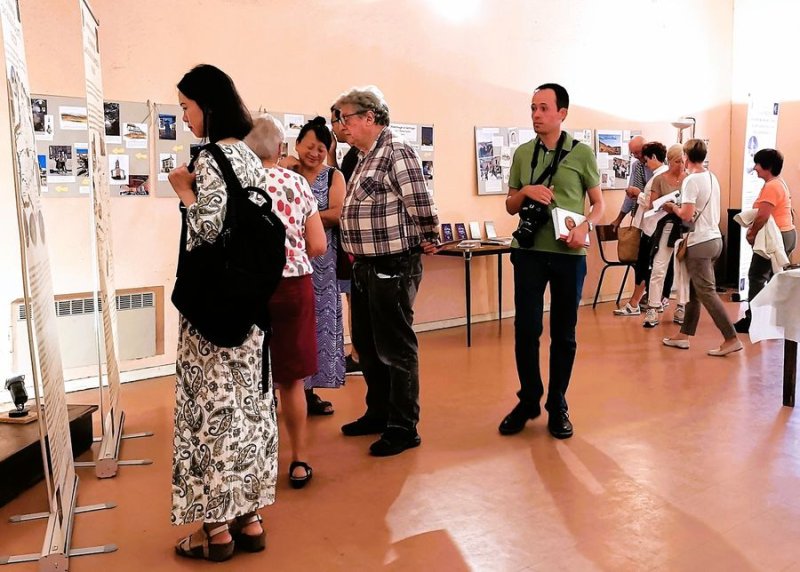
62 143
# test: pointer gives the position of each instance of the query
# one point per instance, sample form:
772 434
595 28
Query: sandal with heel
204 549
316 405
249 542
299 482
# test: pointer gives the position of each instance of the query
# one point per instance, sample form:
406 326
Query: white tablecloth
776 309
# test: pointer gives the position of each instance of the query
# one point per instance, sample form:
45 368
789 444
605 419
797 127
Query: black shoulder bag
223 288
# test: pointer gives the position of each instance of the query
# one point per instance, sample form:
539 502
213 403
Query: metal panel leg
789 372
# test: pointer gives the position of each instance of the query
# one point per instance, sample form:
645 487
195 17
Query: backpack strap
232 183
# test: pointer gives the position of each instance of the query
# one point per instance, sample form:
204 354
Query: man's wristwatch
591 226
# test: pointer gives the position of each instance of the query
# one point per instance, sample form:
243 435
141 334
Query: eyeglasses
343 118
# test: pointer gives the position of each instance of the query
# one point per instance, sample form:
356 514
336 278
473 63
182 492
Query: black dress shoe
363 426
515 421
394 442
559 425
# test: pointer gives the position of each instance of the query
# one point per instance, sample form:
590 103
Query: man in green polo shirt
551 170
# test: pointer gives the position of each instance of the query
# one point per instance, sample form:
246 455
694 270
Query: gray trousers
700 260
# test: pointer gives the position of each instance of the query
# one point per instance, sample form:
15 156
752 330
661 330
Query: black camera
533 216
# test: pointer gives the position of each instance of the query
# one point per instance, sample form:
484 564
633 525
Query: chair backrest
606 233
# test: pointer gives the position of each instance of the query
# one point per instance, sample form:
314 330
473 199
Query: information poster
761 132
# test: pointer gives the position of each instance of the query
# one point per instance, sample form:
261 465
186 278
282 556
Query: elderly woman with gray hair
388 221
292 346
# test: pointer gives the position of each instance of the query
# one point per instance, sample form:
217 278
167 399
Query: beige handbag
628 238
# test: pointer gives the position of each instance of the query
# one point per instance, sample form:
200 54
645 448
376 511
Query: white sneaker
628 310
664 304
680 311
650 318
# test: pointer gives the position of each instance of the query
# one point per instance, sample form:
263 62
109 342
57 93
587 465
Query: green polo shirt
576 174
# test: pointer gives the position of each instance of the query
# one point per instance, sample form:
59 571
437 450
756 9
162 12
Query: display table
21 455
776 316
468 254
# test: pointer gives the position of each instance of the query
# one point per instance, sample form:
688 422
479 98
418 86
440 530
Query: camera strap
550 171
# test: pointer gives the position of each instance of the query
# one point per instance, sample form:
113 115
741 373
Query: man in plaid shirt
388 221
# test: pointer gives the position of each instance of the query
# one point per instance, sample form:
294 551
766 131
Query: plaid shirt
640 175
387 209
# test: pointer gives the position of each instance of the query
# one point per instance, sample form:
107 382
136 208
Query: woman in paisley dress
328 186
292 346
225 446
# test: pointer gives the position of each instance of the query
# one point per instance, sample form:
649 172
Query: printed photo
59 164
42 169
427 136
46 134
166 127
137 185
111 110
622 167
81 159
118 168
490 168
39 109
609 142
427 169
135 135
73 118
485 149
167 162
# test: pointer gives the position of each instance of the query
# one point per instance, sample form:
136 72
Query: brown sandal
205 550
249 542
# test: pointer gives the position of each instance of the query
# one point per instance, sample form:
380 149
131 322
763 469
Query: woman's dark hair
769 159
224 113
655 149
320 130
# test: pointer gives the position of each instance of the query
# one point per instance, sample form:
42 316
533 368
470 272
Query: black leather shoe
363 426
559 425
394 442
515 421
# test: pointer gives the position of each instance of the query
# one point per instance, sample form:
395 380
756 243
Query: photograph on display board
609 142
167 127
42 169
490 169
427 170
135 135
118 168
427 136
73 118
166 163
111 112
137 185
81 159
59 166
39 109
622 167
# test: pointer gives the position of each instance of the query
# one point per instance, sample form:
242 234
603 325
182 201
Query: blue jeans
532 272
382 300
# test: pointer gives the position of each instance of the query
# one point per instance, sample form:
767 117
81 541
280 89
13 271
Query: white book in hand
564 221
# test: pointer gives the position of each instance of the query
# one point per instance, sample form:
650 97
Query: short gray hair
368 98
266 137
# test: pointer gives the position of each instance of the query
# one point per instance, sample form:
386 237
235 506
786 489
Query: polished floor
679 461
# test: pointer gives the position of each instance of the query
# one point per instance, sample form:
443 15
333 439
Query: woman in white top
700 203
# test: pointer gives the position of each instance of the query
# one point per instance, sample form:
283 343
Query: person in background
700 203
389 219
328 188
774 201
553 168
221 416
639 176
345 264
292 346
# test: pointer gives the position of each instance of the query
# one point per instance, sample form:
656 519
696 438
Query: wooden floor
679 462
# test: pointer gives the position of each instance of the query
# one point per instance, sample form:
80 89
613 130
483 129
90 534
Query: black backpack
224 288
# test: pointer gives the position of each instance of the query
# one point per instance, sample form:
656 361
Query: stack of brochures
498 241
469 244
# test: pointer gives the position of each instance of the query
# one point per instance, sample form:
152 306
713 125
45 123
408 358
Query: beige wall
454 63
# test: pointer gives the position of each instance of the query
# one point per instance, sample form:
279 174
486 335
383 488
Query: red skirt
293 346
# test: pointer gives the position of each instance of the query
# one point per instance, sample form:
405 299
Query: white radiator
136 328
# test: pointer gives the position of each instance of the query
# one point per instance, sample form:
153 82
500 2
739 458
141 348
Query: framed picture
461 231
447 232
490 230
474 230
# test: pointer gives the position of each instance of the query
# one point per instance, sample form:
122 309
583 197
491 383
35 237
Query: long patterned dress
225 448
327 301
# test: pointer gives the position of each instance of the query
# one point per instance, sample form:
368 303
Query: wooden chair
605 234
